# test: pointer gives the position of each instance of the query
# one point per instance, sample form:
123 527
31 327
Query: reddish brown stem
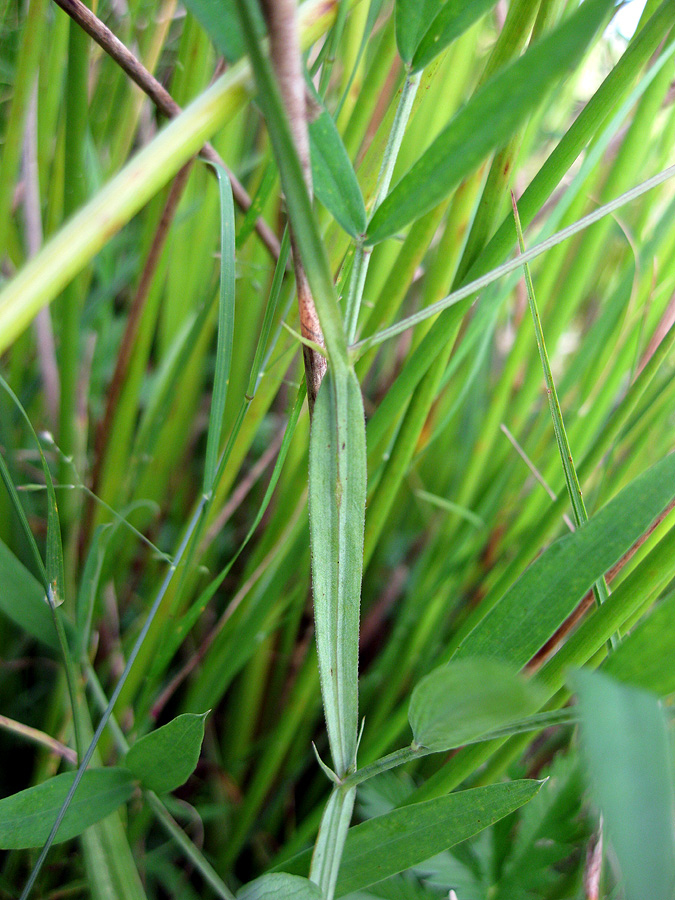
162 99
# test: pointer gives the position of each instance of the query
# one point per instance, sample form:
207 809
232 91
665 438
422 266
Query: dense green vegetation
259 646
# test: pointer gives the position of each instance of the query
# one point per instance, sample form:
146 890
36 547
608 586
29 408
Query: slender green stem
474 287
363 254
331 839
163 816
600 589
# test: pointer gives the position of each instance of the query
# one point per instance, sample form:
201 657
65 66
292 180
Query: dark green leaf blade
333 175
220 21
468 698
22 599
547 592
452 20
626 744
412 20
646 658
225 327
26 818
406 837
282 886
165 758
487 121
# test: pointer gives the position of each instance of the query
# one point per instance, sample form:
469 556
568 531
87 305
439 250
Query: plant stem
363 254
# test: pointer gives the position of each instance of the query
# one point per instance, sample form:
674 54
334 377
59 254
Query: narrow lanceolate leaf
412 20
406 837
280 886
333 175
466 699
451 21
646 657
626 744
26 818
547 592
225 327
337 499
165 758
487 121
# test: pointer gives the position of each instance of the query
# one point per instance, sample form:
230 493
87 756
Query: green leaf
626 744
225 327
406 837
26 818
463 700
333 175
22 599
451 21
337 500
412 19
645 658
487 121
220 21
165 758
282 886
547 592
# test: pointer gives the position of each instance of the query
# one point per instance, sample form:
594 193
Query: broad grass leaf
337 500
412 21
626 743
220 21
165 758
646 658
487 121
280 886
547 592
463 700
406 837
451 21
26 818
22 599
333 175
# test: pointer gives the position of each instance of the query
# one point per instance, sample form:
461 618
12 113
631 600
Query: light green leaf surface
165 758
547 592
627 747
333 175
337 497
487 121
26 818
280 886
646 658
406 837
466 699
